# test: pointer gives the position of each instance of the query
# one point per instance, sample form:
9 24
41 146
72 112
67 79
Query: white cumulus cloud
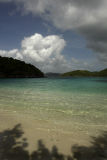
43 52
46 54
87 17
14 53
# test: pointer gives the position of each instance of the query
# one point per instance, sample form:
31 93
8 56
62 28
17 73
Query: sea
77 102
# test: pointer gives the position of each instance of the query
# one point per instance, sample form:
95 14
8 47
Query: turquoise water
69 100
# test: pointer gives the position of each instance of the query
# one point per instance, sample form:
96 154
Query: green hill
12 68
85 73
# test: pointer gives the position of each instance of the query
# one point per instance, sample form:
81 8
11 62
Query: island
85 73
12 68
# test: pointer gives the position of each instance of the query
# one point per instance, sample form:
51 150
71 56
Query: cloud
87 17
43 52
12 53
46 54
78 64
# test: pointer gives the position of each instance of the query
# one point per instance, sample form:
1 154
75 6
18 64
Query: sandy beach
64 137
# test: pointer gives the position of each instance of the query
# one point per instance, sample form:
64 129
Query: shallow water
80 102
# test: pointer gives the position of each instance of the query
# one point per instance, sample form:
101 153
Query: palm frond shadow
14 147
96 151
10 147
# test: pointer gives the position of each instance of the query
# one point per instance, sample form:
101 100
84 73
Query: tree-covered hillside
12 68
85 73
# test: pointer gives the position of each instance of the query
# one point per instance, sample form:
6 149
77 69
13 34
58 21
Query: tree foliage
12 68
85 73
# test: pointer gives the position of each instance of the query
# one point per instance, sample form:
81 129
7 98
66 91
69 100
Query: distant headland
85 73
12 68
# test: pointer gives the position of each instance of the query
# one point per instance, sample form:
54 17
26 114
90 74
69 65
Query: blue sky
18 24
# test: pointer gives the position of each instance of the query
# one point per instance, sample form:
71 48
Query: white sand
51 133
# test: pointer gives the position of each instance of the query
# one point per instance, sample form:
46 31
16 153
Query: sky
55 35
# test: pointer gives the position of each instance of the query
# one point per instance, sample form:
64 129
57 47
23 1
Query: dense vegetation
12 68
85 73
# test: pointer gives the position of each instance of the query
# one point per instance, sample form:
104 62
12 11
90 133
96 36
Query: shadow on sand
14 147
